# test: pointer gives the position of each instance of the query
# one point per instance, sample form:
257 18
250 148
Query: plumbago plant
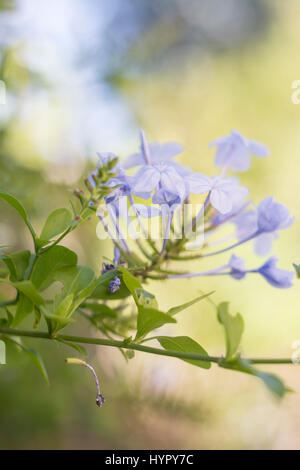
120 310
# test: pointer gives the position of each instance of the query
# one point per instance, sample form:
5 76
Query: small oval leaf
57 222
184 344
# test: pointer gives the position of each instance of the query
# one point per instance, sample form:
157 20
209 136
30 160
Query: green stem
157 278
145 252
171 272
151 243
137 347
59 239
185 258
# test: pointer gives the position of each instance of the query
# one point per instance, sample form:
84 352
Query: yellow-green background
191 94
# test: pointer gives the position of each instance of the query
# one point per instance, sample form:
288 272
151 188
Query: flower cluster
149 188
166 186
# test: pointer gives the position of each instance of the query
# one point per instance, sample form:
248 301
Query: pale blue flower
272 216
158 177
239 205
91 176
263 243
145 181
265 222
233 151
279 278
276 277
116 200
246 225
156 153
147 212
122 185
222 192
159 153
166 199
237 267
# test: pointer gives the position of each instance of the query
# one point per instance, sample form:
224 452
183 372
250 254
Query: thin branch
134 346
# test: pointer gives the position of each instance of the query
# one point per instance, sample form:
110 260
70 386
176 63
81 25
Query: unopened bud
80 195
112 163
100 400
89 185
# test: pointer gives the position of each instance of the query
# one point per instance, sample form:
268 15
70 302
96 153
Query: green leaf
149 319
35 357
19 208
4 272
6 317
55 322
101 311
234 327
297 269
3 317
24 309
184 344
69 306
65 307
17 263
57 222
74 278
49 262
78 347
85 293
146 299
26 288
179 308
131 282
272 382
38 361
28 297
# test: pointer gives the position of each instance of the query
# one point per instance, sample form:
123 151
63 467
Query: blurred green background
83 77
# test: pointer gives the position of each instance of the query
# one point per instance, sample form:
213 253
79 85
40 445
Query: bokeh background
84 76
